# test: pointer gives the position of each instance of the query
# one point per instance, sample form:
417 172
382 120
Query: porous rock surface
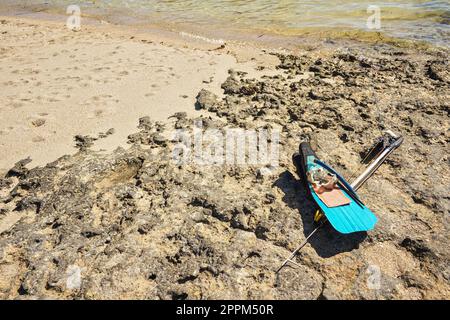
135 224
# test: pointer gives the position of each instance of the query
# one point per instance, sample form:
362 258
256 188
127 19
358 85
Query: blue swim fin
348 218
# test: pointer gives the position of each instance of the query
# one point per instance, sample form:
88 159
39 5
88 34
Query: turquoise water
417 20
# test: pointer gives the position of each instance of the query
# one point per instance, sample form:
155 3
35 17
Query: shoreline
269 39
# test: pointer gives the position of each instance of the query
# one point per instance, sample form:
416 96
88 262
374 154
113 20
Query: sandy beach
57 83
100 210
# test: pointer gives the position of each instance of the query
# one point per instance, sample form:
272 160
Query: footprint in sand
38 139
6 130
38 122
16 105
101 105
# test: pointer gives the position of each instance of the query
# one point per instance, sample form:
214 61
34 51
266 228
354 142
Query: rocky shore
133 224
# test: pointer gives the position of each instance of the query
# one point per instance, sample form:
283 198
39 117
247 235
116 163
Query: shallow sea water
414 20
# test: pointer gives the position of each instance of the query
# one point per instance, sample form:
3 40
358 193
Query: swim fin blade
351 217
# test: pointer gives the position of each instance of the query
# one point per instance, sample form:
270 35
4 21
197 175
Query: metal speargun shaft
393 142
299 247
